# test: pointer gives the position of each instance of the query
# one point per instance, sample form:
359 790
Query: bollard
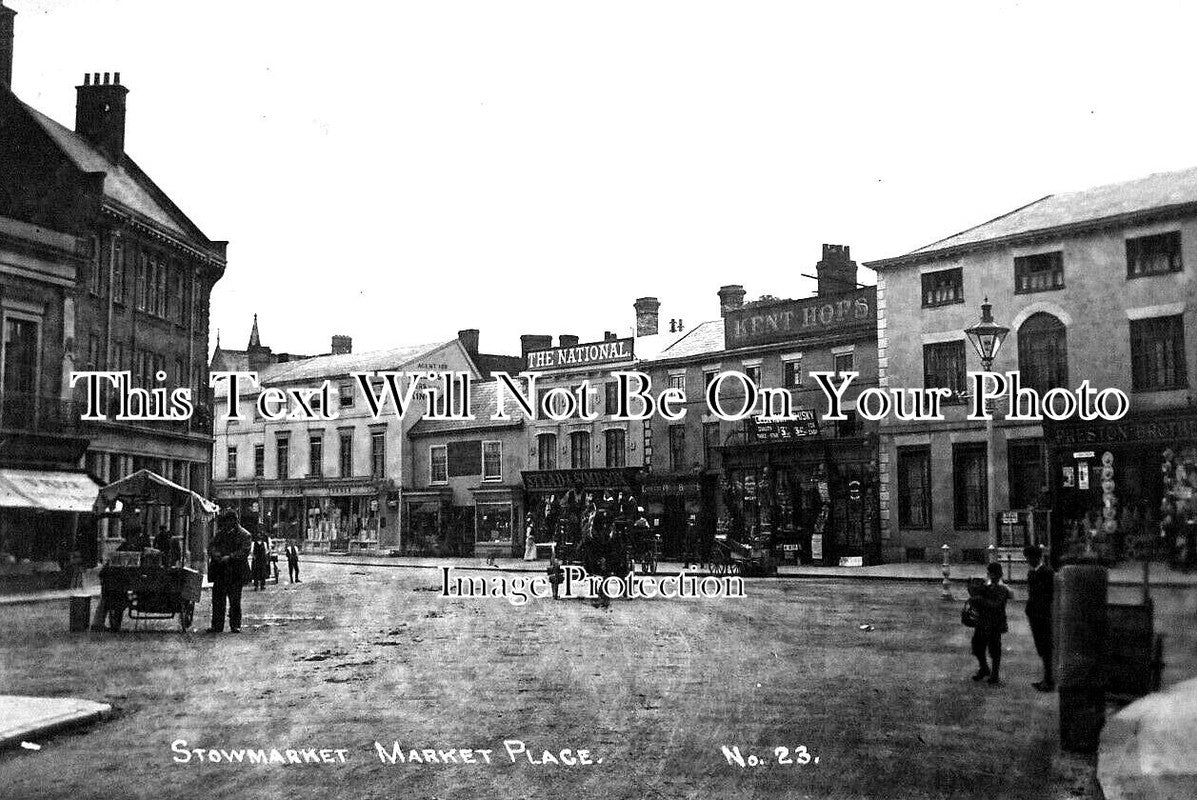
992 550
946 594
80 612
1080 634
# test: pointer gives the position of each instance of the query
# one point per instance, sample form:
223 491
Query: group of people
987 615
229 567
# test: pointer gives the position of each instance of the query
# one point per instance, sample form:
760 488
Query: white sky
396 171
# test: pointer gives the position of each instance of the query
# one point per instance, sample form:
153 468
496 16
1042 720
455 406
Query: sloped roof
703 338
124 182
330 366
230 360
482 404
1155 191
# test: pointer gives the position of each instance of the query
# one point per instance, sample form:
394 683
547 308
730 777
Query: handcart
146 582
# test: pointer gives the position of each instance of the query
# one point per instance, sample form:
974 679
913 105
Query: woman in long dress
529 540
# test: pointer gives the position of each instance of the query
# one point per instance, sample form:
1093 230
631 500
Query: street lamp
987 337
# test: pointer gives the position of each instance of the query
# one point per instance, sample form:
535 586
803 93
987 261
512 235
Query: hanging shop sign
763 431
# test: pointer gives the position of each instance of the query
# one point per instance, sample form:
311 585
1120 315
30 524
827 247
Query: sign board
750 487
816 547
581 355
852 561
1084 454
791 320
805 423
1009 517
789 547
854 491
1082 476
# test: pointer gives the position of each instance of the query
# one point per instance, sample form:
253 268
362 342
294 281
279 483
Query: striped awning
47 490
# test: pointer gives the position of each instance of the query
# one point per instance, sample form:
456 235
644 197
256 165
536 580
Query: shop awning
47 490
149 486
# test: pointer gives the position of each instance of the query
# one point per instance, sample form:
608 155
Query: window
678 382
282 455
346 396
847 427
259 461
1043 353
844 362
139 285
438 464
616 441
708 377
1153 255
231 463
970 489
579 450
378 454
316 455
93 283
914 487
943 366
943 287
754 373
710 441
93 351
118 273
546 451
346 454
1024 465
464 458
677 447
492 461
1042 272
1158 354
610 397
180 302
792 373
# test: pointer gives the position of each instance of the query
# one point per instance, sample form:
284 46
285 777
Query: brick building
139 299
809 485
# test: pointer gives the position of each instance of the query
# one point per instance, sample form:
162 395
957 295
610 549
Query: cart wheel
735 568
186 615
1157 663
114 618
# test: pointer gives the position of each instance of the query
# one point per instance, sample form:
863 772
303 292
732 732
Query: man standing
1040 588
293 561
227 567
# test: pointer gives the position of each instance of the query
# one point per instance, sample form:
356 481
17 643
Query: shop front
814 499
340 517
681 509
431 524
497 532
1125 488
555 500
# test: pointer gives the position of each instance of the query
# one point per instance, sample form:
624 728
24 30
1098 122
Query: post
992 549
946 594
990 485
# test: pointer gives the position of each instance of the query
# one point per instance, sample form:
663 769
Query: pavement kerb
938 580
54 723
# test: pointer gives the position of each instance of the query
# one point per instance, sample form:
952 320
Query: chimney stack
342 345
100 114
646 315
6 45
731 298
469 340
610 336
567 340
836 271
534 341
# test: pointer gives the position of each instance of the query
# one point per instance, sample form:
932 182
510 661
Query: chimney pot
342 345
100 115
116 78
836 271
647 323
534 341
567 340
469 340
7 26
731 298
87 79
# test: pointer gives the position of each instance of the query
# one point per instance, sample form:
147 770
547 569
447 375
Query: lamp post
987 337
